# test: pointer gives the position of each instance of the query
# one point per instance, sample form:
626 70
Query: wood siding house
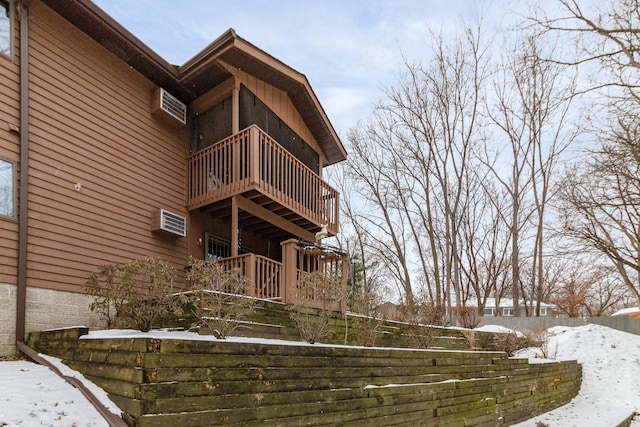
108 153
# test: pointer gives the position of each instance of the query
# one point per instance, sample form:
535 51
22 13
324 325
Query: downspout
23 196
23 189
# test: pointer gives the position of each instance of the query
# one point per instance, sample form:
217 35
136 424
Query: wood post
234 226
250 273
289 270
254 156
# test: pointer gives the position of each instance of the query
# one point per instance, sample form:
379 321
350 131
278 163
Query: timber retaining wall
200 383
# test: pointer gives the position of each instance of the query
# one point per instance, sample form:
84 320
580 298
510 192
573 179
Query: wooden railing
263 274
317 278
250 160
288 281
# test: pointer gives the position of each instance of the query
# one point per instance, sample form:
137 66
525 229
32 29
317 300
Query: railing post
289 270
250 291
254 155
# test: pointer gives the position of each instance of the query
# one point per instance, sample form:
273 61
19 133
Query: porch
285 281
252 169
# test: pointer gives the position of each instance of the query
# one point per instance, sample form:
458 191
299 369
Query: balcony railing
285 281
251 160
264 275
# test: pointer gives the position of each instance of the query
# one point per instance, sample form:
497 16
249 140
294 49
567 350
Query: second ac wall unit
168 223
168 108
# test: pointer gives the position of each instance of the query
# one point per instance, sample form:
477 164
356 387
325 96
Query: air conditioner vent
170 223
168 108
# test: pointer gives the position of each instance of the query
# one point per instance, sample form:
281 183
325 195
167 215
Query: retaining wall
200 383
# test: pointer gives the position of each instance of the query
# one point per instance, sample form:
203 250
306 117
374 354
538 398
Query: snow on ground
610 389
32 395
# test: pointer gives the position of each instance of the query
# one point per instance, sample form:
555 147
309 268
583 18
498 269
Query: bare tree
601 210
367 273
533 101
606 294
585 287
370 165
602 199
606 39
413 161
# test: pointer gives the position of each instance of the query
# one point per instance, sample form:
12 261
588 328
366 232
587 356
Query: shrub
362 328
215 298
314 327
540 338
470 336
467 317
103 286
418 318
133 295
512 342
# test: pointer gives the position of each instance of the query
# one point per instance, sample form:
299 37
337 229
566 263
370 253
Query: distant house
108 153
632 312
505 309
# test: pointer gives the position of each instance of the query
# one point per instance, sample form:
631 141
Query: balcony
253 165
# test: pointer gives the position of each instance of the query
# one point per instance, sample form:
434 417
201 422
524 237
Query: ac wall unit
168 223
168 108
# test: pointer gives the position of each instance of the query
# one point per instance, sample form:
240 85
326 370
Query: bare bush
134 295
511 342
421 335
540 339
104 286
314 326
467 316
216 297
470 336
364 326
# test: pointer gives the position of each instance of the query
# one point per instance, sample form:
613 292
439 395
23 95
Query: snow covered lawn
610 389
31 395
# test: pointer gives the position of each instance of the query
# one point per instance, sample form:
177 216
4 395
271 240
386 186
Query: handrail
252 160
264 274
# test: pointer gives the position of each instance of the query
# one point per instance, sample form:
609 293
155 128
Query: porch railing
264 274
286 281
250 160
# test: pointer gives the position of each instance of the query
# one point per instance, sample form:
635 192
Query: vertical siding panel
91 124
10 150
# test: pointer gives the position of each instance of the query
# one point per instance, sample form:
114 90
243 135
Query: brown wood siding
91 124
280 103
10 150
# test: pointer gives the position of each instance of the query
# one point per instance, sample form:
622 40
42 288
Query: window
218 248
5 28
489 311
507 312
7 188
543 311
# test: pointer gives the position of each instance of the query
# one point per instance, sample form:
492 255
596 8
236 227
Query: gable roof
205 70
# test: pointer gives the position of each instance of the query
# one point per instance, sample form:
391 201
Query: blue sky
348 49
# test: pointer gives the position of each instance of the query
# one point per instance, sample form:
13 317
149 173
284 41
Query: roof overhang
206 69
